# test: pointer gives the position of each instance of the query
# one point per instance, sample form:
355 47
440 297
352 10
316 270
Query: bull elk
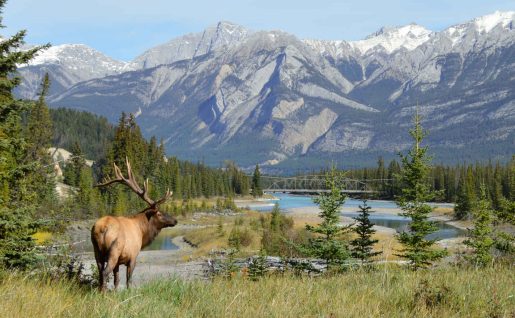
118 240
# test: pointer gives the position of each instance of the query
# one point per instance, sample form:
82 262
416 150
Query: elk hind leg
109 267
100 265
130 269
116 272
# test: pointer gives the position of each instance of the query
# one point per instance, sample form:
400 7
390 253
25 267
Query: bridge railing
317 183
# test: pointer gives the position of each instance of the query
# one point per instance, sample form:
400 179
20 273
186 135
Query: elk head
156 217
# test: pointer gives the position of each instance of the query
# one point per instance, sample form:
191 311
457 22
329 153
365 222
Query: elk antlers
133 185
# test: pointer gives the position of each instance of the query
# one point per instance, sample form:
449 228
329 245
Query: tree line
462 184
148 159
449 181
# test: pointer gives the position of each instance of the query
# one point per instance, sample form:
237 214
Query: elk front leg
130 269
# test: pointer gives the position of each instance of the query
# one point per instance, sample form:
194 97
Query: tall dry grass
385 292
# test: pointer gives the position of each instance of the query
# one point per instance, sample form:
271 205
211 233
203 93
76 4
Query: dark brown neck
149 229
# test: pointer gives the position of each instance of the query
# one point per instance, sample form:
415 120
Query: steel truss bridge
317 184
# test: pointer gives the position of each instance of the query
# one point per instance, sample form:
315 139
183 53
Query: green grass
386 292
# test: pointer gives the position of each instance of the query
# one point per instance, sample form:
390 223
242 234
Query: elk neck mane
148 228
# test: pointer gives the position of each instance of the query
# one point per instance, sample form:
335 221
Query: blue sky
124 29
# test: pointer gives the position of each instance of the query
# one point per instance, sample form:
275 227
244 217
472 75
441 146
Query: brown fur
117 240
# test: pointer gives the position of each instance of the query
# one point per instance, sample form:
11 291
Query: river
287 202
391 219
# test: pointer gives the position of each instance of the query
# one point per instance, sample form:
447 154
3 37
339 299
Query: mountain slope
268 97
215 38
67 64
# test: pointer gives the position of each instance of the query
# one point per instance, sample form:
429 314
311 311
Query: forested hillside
187 180
92 132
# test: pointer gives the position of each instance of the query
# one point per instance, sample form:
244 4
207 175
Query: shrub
240 238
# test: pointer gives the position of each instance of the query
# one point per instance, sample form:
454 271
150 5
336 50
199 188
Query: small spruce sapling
480 236
258 266
362 246
328 243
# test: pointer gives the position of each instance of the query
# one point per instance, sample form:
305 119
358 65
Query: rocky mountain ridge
228 91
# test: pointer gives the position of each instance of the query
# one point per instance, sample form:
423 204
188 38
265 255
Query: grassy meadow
385 292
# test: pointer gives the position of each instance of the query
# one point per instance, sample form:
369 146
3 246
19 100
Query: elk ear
150 213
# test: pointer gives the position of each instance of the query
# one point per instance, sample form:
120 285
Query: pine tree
480 236
381 174
466 195
362 246
257 190
415 194
328 243
258 266
39 134
177 180
85 189
17 193
275 217
496 188
39 126
73 168
273 241
392 188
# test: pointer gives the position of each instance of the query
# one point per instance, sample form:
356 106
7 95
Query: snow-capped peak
487 22
54 53
76 55
483 24
390 39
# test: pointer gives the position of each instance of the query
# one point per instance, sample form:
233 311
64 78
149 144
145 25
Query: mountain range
271 98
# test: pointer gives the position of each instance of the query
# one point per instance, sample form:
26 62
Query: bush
279 236
240 238
257 267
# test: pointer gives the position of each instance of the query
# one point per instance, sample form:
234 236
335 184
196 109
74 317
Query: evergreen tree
415 194
328 243
466 196
392 188
258 266
74 166
480 236
362 246
496 188
39 126
17 194
85 189
381 174
257 190
275 219
39 134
